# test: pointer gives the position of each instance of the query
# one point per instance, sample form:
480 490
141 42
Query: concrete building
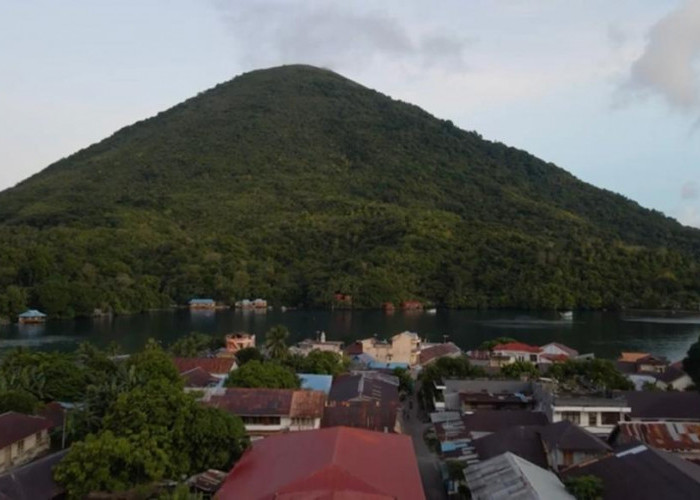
237 341
401 348
22 439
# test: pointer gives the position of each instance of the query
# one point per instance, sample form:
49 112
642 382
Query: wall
11 456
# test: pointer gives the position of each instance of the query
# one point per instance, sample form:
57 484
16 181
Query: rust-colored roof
517 346
353 349
293 403
632 357
197 377
335 463
254 402
669 436
437 351
217 366
555 358
307 404
15 426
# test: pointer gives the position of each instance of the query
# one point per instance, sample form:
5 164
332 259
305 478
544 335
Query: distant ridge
294 183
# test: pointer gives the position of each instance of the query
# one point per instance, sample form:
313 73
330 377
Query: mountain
294 183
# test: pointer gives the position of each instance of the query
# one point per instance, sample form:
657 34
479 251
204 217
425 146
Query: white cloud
668 66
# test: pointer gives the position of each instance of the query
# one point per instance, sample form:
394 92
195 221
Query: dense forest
294 183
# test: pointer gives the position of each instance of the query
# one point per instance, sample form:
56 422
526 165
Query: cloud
690 191
668 64
272 32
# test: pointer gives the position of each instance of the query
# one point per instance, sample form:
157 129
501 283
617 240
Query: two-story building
270 411
22 438
401 348
237 341
518 351
597 413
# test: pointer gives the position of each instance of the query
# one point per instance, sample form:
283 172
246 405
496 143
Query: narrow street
427 460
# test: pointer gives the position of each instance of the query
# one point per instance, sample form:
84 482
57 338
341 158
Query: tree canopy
263 374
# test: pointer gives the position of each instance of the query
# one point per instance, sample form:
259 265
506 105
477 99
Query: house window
572 416
20 446
261 420
610 418
592 419
533 358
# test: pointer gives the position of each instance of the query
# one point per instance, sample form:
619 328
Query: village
404 418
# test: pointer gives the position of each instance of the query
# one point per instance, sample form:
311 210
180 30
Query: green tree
519 368
601 372
585 487
405 380
318 362
108 463
487 345
276 342
248 354
154 363
691 363
19 401
48 376
194 344
215 439
263 374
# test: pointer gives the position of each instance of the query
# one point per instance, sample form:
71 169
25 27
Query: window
592 419
20 446
572 416
610 418
261 420
533 358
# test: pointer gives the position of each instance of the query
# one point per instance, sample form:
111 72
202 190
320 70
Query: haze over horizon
609 92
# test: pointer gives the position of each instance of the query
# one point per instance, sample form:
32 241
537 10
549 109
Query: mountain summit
295 183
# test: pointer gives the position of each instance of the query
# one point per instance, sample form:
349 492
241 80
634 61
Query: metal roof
508 476
669 436
32 313
15 426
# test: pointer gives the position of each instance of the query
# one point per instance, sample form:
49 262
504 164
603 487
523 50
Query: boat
431 311
567 315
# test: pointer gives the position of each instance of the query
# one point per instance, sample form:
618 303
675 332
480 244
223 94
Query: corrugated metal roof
15 426
328 463
669 436
32 313
307 404
508 476
437 351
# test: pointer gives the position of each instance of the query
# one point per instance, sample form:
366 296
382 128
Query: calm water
604 333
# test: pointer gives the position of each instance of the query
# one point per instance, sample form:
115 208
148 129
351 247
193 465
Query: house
33 481
556 349
202 304
674 378
509 476
370 415
551 446
596 412
237 341
641 362
662 405
467 395
219 367
566 444
338 462
518 351
31 316
485 422
640 472
247 304
401 348
198 379
430 353
681 438
271 411
305 347
22 438
364 386
521 440
487 360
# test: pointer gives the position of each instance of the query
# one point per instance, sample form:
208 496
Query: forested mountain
293 183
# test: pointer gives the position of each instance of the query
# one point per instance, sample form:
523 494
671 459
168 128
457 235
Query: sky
609 91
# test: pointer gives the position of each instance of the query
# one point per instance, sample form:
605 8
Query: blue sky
610 91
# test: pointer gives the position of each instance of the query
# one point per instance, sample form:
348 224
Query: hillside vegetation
292 183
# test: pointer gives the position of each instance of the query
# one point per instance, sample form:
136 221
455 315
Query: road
427 460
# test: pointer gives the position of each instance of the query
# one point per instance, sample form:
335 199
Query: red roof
15 426
197 377
517 346
219 366
335 463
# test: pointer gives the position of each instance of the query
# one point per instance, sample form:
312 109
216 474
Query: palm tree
276 342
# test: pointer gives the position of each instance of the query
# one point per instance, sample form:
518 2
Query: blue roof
316 382
32 313
377 365
202 301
